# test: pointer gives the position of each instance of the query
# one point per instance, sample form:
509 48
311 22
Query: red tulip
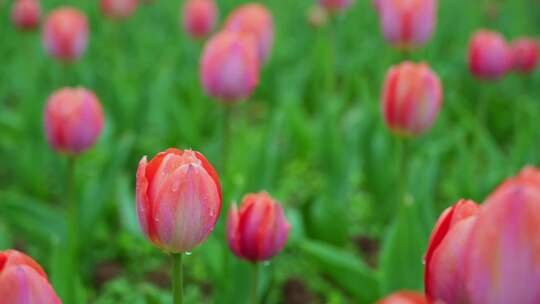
178 199
65 33
254 19
335 5
525 54
411 98
26 14
73 120
229 67
199 17
118 9
444 274
404 297
490 57
23 281
258 230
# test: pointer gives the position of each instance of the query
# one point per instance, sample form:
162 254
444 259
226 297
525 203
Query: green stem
73 220
403 167
254 282
178 279
227 111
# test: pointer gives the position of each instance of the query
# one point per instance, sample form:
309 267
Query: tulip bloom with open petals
407 23
73 120
411 98
26 14
199 17
178 199
525 54
254 19
258 230
119 9
404 297
490 56
335 5
23 281
65 33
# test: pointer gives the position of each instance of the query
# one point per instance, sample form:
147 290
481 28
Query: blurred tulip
229 67
73 120
118 9
23 281
411 98
255 19
404 297
65 33
317 16
407 23
490 57
199 17
26 14
444 274
335 5
178 199
525 54
258 230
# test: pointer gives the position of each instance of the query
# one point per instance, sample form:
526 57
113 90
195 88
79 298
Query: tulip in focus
525 55
73 120
229 67
118 9
335 5
317 16
404 297
258 230
178 199
199 17
23 281
65 33
490 57
411 98
26 14
254 19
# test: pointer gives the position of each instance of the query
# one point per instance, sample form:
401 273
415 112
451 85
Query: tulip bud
23 281
229 66
490 57
199 17
73 120
404 297
317 16
65 33
254 19
118 9
444 275
178 199
407 24
335 5
525 54
411 98
258 230
26 14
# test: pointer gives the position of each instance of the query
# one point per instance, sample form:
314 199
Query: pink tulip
258 230
254 19
229 66
411 98
199 17
23 281
407 23
404 297
119 9
26 14
65 33
444 274
525 54
335 5
73 120
178 199
490 57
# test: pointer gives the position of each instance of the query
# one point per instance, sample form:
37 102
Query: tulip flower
490 57
229 66
23 281
118 9
525 54
199 17
65 33
335 5
411 98
317 16
254 19
73 120
407 24
404 297
444 274
26 14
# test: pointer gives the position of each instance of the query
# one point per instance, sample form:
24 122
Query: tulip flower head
26 14
118 9
317 16
178 199
254 19
411 98
73 120
335 5
258 230
525 55
404 297
490 56
199 17
23 281
65 33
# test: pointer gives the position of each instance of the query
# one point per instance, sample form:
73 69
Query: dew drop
188 253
